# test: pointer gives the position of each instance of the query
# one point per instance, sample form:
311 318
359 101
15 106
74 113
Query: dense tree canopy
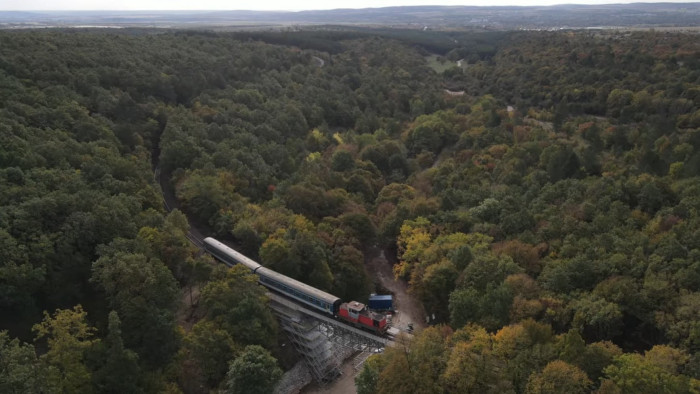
547 217
254 371
567 199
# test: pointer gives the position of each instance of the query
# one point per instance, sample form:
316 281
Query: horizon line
351 8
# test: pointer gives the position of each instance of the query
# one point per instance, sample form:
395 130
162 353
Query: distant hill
499 18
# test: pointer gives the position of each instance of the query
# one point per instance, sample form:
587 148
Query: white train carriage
227 255
311 296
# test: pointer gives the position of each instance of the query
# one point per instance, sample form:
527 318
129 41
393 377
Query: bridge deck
329 320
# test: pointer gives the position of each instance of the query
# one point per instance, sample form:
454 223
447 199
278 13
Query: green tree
20 371
196 272
655 372
210 348
473 368
559 377
490 308
367 380
618 99
571 347
464 306
144 293
351 281
397 376
120 372
433 132
435 287
683 325
18 278
299 253
170 243
527 347
488 270
238 306
560 162
253 371
68 336
276 253
597 318
207 194
342 160
428 358
416 366
597 357
361 227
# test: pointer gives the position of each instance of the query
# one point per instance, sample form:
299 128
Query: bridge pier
308 340
320 339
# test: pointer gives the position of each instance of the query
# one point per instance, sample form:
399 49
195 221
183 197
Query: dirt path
408 309
320 61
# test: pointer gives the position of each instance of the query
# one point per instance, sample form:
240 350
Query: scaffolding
308 340
360 359
320 339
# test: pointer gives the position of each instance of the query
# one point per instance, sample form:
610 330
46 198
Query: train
352 312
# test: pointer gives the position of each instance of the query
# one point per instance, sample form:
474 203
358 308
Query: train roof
358 306
381 297
237 256
303 287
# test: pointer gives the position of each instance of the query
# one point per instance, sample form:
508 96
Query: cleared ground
439 63
409 311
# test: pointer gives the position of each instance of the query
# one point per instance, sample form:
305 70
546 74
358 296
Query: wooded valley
546 212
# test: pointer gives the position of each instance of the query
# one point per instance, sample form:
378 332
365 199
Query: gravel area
408 309
294 380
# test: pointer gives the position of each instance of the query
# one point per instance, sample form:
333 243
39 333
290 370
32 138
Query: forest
546 213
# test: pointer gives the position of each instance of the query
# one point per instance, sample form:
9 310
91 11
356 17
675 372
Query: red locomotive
357 314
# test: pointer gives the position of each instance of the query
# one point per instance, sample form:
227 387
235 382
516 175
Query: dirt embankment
409 310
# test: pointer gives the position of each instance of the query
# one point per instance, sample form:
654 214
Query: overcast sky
293 5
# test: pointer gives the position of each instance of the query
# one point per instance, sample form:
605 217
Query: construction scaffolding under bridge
321 339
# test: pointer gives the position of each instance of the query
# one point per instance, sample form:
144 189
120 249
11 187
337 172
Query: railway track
169 203
197 239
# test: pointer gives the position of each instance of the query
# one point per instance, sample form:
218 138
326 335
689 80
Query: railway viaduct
319 339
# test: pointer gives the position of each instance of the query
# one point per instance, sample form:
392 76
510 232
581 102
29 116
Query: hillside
435 17
546 219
